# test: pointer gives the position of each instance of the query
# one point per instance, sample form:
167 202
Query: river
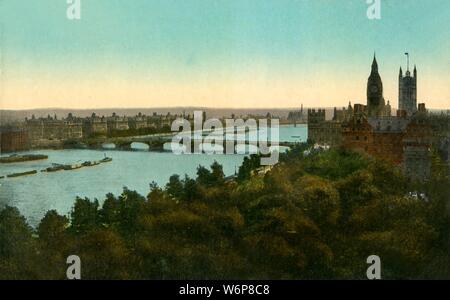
36 194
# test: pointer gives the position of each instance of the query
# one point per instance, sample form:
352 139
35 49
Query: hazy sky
218 53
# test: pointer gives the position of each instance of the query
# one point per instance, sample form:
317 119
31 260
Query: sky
218 53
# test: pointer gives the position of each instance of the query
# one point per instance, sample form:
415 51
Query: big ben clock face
374 89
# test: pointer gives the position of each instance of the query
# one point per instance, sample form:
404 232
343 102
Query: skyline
221 54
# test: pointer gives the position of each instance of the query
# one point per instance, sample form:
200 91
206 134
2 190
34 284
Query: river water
36 194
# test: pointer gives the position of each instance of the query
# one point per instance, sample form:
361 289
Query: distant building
417 143
344 114
42 130
376 105
72 128
117 123
95 126
407 91
405 139
378 137
35 129
51 128
322 131
138 122
297 116
13 140
440 124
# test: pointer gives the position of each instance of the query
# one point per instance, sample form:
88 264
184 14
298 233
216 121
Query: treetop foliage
316 216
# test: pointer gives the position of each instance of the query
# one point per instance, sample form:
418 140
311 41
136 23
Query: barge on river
21 174
59 167
22 158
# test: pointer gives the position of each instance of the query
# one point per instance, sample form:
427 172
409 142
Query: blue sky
288 51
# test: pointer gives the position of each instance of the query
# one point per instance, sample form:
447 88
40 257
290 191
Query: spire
407 61
401 72
374 64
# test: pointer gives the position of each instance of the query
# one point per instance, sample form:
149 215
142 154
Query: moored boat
55 168
87 164
90 163
22 158
106 159
21 174
72 167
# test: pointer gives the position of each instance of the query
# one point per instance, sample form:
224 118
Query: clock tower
375 99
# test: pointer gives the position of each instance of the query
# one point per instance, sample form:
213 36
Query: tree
175 187
51 229
319 200
110 211
217 175
204 176
190 191
130 205
17 247
248 166
208 178
104 256
310 217
54 245
84 215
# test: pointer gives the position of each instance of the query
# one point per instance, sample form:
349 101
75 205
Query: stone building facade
52 128
322 131
404 141
117 123
138 122
13 140
417 143
95 125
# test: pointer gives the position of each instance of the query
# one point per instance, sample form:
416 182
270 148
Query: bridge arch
108 146
140 146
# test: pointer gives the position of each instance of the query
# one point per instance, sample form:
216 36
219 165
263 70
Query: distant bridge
156 142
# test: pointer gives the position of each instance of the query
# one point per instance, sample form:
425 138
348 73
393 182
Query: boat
90 163
21 174
106 159
55 168
1 177
87 164
72 167
22 158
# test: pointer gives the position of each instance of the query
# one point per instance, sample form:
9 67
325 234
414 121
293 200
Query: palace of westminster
405 139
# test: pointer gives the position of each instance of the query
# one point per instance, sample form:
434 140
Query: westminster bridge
154 142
